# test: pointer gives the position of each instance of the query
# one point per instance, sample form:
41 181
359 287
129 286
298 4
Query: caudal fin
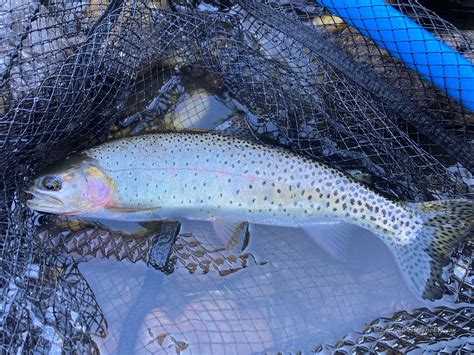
445 223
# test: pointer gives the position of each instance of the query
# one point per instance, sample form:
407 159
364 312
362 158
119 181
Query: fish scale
229 181
208 176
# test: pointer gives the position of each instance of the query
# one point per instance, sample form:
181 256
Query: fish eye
52 183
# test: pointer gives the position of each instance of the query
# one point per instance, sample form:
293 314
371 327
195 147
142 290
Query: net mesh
74 73
407 331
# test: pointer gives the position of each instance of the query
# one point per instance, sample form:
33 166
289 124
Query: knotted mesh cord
72 69
406 331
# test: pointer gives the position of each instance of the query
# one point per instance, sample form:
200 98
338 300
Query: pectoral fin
234 235
128 209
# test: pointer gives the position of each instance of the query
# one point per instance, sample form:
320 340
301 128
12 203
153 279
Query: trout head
76 185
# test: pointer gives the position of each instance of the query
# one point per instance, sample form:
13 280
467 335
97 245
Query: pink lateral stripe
218 173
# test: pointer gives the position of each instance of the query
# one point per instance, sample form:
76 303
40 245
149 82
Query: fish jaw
44 202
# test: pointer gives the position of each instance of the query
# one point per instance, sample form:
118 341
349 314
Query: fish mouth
43 201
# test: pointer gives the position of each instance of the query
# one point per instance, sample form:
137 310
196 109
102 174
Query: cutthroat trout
227 181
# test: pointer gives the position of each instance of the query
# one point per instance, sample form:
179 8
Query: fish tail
444 224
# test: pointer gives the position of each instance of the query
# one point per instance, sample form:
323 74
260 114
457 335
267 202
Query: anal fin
333 237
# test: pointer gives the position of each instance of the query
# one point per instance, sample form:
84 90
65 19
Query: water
198 109
299 298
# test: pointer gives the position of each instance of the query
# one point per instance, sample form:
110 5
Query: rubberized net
74 73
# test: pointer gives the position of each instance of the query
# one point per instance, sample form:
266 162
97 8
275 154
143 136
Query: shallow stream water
300 297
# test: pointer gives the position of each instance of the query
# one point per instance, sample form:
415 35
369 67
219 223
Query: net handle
407 41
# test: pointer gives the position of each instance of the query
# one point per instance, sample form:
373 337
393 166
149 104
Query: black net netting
75 73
